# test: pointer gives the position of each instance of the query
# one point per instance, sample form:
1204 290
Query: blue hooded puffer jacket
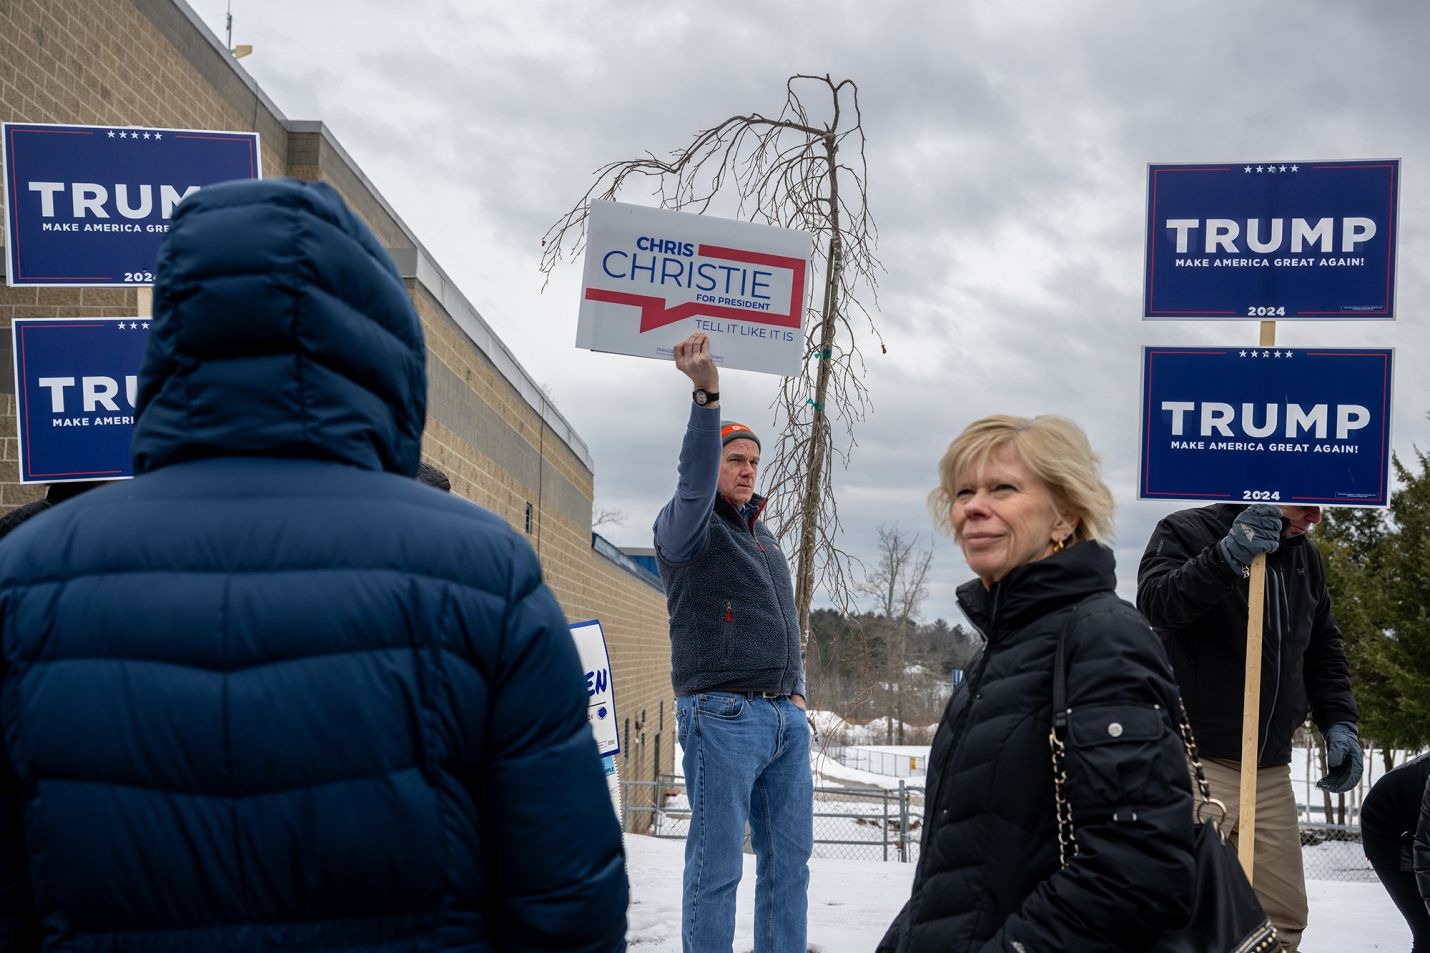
273 693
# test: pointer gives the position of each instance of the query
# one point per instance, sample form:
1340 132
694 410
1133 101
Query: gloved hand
1343 756
1257 529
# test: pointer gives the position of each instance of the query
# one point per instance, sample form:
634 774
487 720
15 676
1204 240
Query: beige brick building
489 426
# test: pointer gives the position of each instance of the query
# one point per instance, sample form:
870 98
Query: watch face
702 398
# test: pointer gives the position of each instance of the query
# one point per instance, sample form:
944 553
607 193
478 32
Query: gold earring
1058 545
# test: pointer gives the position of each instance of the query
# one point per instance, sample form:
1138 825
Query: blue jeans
746 759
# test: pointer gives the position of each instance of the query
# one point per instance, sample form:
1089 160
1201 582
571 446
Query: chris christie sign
654 276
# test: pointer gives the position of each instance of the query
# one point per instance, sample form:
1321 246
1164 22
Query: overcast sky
1007 153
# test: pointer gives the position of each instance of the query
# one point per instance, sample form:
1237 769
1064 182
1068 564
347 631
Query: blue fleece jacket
727 582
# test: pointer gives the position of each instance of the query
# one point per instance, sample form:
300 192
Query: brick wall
151 63
640 666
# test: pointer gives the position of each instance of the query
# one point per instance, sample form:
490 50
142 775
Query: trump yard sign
89 205
1272 240
75 382
1307 426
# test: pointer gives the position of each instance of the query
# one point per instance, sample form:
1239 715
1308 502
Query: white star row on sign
135 325
1272 354
1271 168
136 135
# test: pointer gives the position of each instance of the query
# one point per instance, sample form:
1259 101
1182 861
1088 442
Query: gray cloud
1007 151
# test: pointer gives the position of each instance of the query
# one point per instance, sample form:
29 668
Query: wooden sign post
1251 695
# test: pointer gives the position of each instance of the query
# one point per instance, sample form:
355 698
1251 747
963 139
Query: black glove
1257 530
1343 756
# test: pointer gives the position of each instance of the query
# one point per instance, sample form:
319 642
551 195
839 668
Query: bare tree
607 516
898 581
803 171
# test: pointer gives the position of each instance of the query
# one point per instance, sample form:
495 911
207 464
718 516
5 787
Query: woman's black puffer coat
989 876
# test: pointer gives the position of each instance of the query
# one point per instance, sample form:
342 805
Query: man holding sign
1191 587
739 682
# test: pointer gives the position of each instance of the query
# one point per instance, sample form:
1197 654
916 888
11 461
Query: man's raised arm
681 527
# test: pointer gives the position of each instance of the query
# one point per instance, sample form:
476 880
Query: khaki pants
1277 873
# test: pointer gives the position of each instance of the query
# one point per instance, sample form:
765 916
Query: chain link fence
1333 852
868 823
893 764
850 823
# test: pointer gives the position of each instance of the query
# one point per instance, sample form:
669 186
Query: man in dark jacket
429 475
55 494
1395 834
739 682
274 693
1192 587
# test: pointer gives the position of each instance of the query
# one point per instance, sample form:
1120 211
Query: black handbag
1226 916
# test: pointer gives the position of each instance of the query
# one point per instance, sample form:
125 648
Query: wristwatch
703 397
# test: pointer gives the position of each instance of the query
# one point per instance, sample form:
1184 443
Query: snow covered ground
852 902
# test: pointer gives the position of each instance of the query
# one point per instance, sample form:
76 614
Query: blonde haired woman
1026 503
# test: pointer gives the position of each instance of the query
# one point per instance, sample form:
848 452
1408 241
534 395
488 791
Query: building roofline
611 551
414 263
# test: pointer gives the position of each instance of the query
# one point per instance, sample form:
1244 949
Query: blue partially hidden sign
1265 424
75 381
1272 240
89 205
600 691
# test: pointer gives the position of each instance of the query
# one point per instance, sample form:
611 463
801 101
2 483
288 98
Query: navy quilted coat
989 878
274 694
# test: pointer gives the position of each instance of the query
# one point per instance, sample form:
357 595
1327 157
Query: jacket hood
1038 587
281 328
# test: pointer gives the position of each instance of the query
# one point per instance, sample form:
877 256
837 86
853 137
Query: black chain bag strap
1226 916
